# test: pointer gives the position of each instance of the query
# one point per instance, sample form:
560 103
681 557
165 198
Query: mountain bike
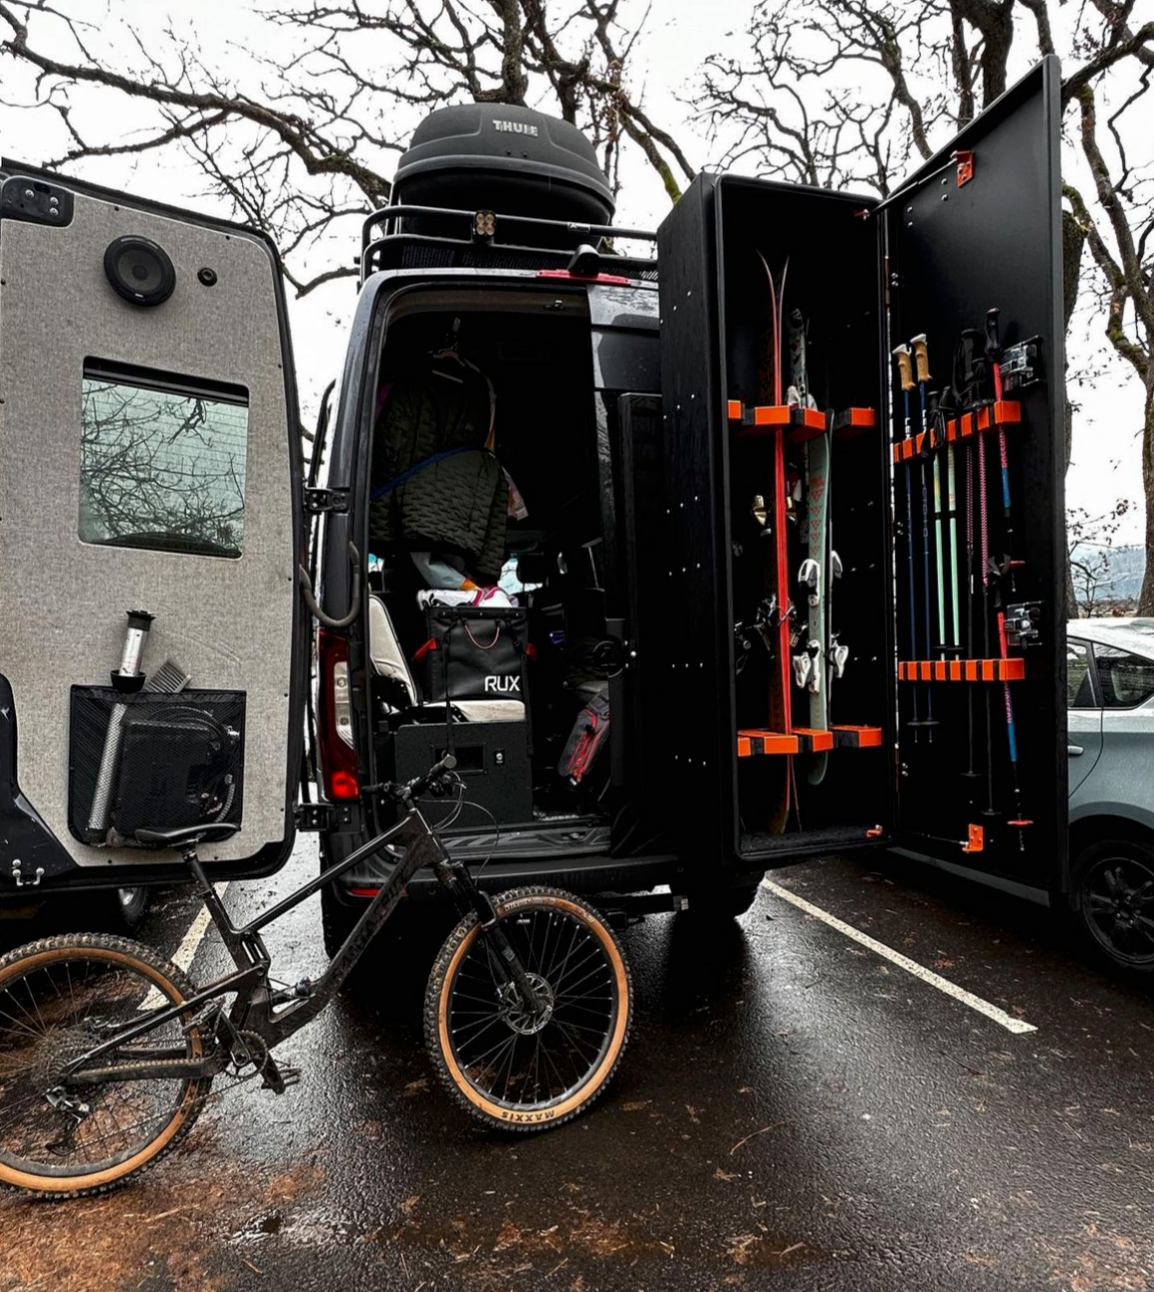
107 1051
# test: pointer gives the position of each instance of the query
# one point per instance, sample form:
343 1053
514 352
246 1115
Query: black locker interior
934 261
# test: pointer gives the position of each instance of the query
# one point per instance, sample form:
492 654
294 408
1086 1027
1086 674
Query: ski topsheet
779 581
811 664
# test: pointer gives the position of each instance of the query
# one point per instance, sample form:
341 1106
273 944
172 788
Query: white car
1110 694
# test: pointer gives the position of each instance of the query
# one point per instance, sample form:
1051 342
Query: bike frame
274 1016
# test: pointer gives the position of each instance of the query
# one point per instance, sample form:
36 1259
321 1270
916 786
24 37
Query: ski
780 609
813 667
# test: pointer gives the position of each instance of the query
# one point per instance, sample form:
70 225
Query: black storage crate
492 760
154 761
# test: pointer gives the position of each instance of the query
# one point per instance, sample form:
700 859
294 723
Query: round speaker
139 270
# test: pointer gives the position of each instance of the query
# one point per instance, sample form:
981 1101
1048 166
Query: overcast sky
679 34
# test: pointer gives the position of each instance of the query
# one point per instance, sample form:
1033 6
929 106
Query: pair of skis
822 656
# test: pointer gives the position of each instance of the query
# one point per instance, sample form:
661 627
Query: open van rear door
149 461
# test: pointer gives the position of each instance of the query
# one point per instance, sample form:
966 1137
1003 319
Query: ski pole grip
921 356
905 366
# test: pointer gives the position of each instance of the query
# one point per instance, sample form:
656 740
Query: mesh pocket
152 760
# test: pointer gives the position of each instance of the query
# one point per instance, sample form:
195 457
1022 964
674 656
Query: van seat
389 661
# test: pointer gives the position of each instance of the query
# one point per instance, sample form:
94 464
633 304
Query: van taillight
335 718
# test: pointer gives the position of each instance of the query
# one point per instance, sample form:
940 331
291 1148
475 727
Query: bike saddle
211 833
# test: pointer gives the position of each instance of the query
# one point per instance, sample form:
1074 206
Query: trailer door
149 461
978 228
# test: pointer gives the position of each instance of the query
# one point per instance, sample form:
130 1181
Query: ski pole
962 395
994 354
952 520
984 563
927 614
922 361
905 371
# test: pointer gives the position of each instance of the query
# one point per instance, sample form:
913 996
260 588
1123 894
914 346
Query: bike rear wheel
58 998
504 1066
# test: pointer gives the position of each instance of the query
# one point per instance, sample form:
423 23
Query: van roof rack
383 247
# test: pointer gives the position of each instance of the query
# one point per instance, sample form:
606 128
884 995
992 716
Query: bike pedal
277 1077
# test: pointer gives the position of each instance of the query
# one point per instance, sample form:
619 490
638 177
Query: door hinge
26 881
313 816
318 500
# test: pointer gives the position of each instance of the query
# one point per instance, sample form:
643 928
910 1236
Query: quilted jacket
435 487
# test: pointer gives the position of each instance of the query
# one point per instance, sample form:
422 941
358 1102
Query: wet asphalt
793 1112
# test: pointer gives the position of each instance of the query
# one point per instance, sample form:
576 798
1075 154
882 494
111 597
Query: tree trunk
1146 596
1073 241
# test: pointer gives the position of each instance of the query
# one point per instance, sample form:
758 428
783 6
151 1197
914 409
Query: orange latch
976 841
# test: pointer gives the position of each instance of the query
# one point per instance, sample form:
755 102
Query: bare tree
921 65
1091 542
295 146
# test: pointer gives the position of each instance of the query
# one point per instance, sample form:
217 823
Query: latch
1021 365
313 816
26 881
317 501
1024 625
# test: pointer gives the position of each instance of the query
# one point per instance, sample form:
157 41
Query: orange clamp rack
911 448
962 670
812 740
850 737
802 423
807 740
806 424
1006 412
753 742
853 421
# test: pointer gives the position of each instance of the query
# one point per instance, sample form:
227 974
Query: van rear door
150 461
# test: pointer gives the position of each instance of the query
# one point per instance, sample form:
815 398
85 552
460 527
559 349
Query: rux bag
474 653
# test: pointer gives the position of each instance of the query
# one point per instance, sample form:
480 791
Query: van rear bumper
585 874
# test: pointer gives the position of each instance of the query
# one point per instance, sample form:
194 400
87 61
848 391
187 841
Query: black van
532 528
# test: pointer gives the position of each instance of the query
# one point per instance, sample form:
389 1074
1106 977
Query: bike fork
506 964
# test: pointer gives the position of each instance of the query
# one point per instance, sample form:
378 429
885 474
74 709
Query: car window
1126 680
1079 683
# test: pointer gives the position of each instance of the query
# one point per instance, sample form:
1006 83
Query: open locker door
777 766
982 736
149 462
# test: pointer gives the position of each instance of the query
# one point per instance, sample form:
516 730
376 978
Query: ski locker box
863 660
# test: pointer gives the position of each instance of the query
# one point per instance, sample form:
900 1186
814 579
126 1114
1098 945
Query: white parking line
999 1016
186 952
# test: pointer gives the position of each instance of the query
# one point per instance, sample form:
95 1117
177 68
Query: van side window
162 461
1079 678
1126 680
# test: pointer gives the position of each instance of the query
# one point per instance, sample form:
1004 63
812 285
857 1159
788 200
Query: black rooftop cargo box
500 157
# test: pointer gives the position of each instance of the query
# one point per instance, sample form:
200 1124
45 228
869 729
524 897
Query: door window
1079 676
162 462
1125 680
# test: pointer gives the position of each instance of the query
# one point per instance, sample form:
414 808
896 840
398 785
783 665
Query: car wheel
1114 901
337 920
129 907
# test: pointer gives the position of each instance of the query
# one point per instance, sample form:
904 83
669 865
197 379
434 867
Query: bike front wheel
504 1065
61 1137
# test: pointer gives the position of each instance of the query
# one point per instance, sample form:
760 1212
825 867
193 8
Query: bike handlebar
419 784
